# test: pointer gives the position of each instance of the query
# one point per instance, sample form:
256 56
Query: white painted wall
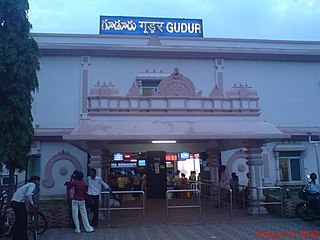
288 91
57 104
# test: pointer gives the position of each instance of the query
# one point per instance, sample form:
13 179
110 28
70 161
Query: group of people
128 181
181 182
228 182
79 193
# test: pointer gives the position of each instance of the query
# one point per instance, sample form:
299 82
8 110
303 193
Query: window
5 181
148 81
290 165
149 86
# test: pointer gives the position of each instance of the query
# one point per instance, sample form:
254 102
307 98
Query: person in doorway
199 177
224 180
122 182
224 185
247 191
144 182
94 188
78 202
136 184
21 198
176 183
193 176
183 185
192 184
234 183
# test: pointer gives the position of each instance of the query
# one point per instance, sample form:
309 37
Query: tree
19 63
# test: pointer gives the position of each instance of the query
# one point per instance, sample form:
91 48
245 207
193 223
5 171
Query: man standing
19 201
94 189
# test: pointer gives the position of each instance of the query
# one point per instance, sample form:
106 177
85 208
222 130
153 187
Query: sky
242 19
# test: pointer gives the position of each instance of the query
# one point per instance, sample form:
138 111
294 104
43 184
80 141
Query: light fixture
165 141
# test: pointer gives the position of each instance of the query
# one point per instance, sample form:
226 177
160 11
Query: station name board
147 26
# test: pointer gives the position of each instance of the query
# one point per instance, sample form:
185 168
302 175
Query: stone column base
253 210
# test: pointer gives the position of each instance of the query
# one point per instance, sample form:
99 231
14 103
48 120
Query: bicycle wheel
33 227
42 223
304 212
7 222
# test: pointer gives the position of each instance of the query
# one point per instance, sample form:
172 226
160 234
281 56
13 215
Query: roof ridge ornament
176 85
134 91
216 93
154 40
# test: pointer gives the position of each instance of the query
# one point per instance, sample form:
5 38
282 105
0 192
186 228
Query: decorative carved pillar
85 62
219 64
96 156
255 162
104 168
213 163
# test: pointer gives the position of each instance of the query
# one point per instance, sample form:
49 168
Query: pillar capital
95 145
254 150
253 143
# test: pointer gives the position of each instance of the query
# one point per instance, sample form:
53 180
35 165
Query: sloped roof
115 130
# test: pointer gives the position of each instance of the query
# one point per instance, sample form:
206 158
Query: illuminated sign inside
147 26
142 163
184 155
118 156
171 157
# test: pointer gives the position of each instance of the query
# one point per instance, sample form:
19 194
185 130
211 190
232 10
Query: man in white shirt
94 189
19 202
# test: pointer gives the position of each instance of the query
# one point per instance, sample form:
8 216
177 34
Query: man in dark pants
19 202
94 189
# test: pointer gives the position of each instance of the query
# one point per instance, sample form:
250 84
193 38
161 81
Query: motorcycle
6 216
308 209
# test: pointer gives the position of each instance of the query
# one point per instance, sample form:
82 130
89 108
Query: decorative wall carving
175 96
176 85
104 89
48 181
233 158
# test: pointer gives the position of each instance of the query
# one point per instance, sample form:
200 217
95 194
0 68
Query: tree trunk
12 186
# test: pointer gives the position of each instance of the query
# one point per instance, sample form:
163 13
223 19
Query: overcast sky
250 19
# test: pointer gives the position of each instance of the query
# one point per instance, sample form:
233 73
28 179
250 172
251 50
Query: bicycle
37 223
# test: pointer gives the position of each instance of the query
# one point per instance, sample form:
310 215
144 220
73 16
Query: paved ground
184 224
248 229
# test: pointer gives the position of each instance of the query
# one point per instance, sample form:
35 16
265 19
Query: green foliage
19 54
